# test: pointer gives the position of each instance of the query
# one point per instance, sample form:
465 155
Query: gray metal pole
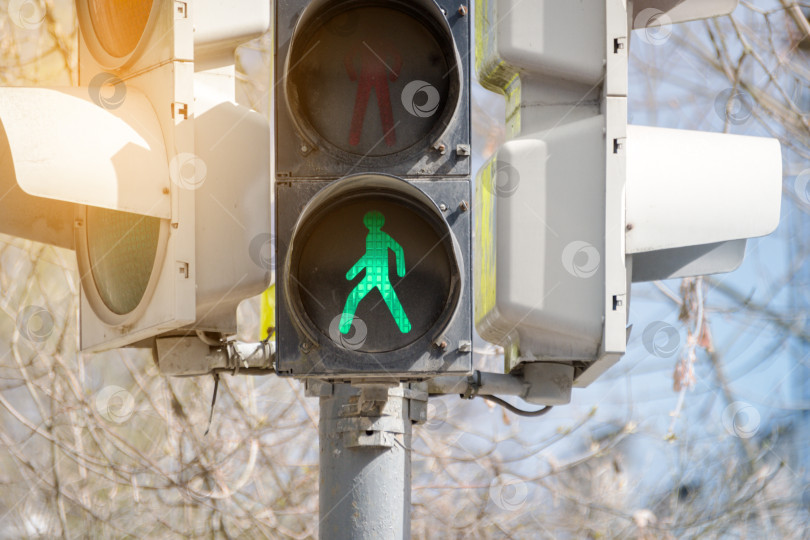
365 462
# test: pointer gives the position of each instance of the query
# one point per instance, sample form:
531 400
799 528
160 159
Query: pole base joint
377 415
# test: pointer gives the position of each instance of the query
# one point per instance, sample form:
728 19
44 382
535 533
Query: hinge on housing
180 10
179 108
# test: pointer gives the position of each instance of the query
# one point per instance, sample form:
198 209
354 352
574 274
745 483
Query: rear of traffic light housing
372 189
577 204
148 169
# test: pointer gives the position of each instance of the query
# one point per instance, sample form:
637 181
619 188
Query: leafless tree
102 446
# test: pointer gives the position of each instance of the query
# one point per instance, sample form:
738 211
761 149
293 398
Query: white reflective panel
661 12
689 188
223 24
99 149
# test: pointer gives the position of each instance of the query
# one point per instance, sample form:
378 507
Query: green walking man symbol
375 263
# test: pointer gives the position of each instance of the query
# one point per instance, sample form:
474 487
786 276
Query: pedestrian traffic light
577 203
372 189
148 169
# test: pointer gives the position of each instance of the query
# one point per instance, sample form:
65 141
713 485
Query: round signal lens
373 81
375 268
121 249
119 25
115 30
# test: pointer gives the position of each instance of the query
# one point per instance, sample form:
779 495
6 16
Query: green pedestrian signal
375 263
375 277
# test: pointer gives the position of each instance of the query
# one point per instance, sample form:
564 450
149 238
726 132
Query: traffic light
373 188
149 170
577 204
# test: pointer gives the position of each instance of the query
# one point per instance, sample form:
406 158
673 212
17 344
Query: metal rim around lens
359 186
94 298
99 50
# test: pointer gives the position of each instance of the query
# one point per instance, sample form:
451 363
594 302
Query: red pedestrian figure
379 61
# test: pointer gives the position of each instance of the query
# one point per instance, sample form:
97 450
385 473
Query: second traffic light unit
372 188
149 170
578 204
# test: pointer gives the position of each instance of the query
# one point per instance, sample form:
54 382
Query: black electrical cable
509 406
213 402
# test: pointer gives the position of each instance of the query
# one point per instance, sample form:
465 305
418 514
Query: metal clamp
377 415
473 385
